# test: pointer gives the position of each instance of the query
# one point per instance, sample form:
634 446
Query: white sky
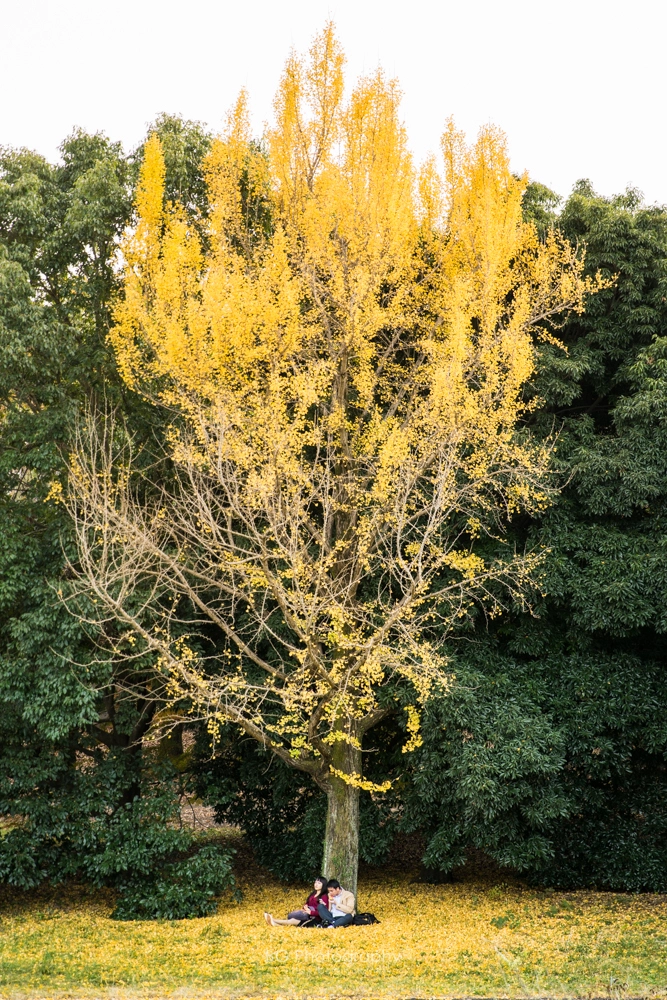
578 85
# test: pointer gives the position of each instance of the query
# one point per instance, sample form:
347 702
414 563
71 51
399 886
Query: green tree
84 796
550 753
58 227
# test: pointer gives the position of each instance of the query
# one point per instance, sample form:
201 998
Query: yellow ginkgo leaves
345 350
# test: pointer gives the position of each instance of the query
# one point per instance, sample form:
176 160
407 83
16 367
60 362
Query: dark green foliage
83 797
540 206
593 664
606 574
545 759
183 889
626 242
487 774
82 810
615 709
550 752
281 810
618 843
58 226
185 145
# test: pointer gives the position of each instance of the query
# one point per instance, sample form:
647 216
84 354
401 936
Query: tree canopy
344 390
349 379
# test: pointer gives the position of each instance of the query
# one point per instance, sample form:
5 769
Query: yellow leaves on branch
353 243
415 738
357 781
349 343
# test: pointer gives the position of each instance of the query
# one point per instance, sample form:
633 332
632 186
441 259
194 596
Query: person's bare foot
274 923
269 919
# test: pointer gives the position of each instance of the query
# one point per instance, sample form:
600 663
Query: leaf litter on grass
470 938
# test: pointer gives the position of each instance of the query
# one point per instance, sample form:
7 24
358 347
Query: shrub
183 889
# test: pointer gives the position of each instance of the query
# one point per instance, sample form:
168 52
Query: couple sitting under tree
328 906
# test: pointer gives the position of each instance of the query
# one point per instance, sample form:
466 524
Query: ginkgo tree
343 354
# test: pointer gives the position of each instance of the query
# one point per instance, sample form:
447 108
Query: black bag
362 919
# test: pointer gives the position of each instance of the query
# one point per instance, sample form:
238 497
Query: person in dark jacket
308 911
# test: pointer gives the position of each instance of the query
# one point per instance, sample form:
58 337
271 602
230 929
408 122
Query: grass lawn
481 936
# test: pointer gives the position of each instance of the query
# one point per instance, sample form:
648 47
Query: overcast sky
578 85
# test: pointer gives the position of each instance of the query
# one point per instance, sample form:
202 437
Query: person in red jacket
308 911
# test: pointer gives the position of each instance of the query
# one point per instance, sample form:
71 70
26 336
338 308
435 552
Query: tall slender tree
344 353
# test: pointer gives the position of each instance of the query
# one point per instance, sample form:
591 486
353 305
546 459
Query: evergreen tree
550 754
81 795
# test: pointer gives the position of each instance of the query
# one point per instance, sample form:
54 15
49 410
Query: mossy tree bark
341 838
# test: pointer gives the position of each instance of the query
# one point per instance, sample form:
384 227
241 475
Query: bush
184 889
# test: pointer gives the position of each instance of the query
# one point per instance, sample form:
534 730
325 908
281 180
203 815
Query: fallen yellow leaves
451 940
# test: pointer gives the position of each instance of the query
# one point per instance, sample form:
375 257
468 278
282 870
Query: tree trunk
341 839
